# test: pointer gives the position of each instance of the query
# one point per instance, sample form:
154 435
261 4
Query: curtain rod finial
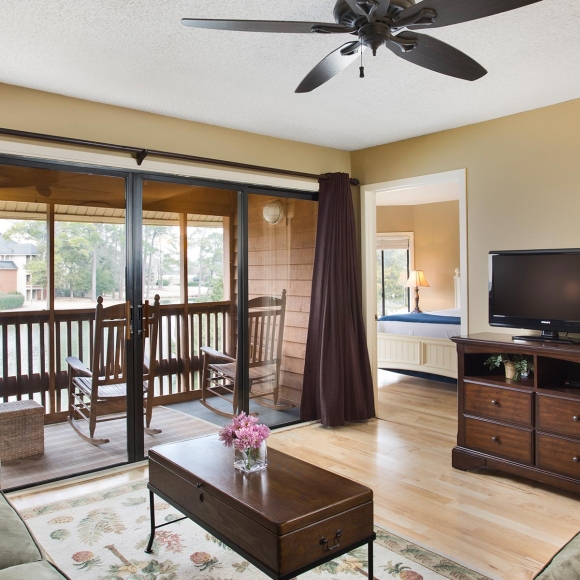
354 181
140 156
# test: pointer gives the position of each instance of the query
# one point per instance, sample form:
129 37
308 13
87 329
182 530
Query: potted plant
517 366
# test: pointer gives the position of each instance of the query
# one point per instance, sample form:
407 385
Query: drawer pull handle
494 402
201 497
495 439
576 459
324 541
575 418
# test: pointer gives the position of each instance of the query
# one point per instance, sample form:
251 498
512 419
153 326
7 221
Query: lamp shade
416 279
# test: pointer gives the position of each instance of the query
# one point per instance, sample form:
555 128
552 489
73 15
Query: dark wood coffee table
285 520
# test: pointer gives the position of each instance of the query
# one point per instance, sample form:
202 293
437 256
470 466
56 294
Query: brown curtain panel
337 384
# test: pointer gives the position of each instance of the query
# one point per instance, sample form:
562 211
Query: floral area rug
103 535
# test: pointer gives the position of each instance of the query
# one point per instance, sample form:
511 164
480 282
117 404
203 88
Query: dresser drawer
501 440
558 415
498 403
559 455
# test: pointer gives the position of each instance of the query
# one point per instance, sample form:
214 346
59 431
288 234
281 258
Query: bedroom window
394 256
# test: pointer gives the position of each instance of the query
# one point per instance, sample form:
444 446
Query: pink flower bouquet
247 437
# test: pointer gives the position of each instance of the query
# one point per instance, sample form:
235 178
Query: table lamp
416 279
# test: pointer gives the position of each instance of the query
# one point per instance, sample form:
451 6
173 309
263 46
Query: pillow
565 565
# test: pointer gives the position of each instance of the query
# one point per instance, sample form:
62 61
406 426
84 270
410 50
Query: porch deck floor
66 454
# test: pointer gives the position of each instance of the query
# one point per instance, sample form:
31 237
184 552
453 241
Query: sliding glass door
280 263
197 291
189 264
62 245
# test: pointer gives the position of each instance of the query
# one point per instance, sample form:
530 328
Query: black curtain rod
141 154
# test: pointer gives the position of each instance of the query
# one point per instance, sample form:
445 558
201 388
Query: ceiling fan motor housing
374 35
343 14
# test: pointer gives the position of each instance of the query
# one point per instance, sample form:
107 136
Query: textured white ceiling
136 53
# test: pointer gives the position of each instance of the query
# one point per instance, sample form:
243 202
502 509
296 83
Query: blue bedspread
422 317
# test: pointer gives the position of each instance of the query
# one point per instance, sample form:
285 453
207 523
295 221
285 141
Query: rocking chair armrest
216 354
78 367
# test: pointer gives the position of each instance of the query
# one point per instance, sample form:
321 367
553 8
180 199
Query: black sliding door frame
134 272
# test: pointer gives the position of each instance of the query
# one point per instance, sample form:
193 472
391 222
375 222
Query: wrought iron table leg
370 566
152 517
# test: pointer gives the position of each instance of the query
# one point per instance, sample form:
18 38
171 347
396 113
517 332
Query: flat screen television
536 290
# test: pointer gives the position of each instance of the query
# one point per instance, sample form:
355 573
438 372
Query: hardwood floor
502 526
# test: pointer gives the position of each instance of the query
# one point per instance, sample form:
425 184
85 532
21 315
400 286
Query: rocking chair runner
265 334
104 391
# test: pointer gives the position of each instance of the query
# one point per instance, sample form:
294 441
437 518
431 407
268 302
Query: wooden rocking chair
94 393
266 334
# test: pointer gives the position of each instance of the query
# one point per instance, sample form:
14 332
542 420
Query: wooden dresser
529 428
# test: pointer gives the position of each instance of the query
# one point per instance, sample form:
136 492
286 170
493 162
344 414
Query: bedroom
425 219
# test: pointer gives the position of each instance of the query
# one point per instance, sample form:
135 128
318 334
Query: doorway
399 190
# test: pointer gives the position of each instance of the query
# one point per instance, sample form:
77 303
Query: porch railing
28 338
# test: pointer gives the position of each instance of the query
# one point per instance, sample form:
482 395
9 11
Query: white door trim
368 249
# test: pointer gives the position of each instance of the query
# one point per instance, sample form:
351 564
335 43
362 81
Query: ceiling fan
383 22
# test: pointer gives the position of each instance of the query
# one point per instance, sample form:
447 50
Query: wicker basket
21 429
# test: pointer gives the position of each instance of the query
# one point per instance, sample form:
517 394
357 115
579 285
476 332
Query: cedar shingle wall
282 257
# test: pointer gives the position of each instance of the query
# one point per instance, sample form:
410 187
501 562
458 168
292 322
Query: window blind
394 242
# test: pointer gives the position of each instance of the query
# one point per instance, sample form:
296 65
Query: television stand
551 337
530 427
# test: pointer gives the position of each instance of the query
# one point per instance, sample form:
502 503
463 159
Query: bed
419 346
410 342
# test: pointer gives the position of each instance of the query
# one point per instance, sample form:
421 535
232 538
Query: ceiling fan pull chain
361 68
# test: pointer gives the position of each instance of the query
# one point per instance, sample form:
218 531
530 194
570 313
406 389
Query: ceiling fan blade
355 7
382 8
377 8
456 11
437 56
330 66
264 26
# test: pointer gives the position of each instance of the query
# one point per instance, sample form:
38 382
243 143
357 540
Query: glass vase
251 459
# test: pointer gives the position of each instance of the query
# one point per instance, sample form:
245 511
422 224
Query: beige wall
40 112
523 183
437 252
395 218
436 229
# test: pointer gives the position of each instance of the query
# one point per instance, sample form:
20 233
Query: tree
35 232
206 259
395 276
73 256
89 257
160 254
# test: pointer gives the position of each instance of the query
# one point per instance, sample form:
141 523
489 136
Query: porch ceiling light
273 212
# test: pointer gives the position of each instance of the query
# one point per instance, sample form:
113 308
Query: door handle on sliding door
145 320
128 320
